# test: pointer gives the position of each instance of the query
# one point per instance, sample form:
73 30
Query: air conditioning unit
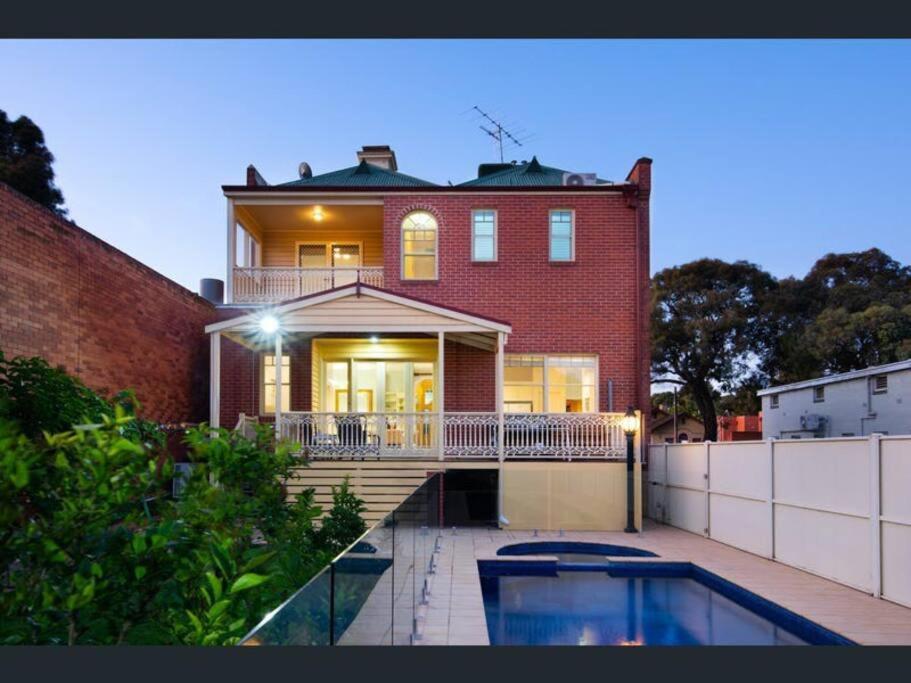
181 474
574 179
812 423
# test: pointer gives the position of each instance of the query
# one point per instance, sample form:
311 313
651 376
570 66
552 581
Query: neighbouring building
739 427
500 323
692 430
689 429
858 403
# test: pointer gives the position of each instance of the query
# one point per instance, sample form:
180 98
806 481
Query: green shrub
45 399
94 550
344 524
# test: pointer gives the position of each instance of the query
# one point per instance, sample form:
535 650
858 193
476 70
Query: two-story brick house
485 324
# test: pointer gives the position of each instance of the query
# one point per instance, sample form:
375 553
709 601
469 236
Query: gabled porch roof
362 309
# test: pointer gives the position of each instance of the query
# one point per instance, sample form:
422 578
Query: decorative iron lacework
552 436
563 435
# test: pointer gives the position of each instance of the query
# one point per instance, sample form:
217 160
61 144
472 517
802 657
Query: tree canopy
26 164
709 320
720 328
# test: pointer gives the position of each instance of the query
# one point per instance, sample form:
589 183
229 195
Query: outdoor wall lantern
630 423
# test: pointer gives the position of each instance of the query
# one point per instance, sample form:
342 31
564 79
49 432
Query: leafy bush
94 550
344 524
42 399
45 399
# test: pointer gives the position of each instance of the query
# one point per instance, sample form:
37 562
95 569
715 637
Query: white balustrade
466 435
564 435
272 284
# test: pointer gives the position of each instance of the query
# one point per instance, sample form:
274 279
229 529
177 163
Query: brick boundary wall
79 303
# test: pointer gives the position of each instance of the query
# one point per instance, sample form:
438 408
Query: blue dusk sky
771 151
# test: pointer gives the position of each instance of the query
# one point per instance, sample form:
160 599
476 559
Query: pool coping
796 624
455 614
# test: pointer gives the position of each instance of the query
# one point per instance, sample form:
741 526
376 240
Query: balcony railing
272 284
465 435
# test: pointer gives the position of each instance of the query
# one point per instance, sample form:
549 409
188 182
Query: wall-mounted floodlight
269 324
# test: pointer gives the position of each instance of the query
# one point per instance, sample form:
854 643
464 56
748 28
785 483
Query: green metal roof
362 175
531 173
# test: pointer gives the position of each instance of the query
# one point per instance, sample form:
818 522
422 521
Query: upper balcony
271 284
282 250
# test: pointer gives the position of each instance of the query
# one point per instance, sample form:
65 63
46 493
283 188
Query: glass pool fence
372 592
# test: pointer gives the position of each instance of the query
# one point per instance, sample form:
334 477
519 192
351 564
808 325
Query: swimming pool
633 603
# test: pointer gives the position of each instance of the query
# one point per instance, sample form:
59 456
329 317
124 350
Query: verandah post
501 451
215 379
441 372
278 384
232 253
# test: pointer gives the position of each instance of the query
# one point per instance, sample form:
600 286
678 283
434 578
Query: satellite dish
304 170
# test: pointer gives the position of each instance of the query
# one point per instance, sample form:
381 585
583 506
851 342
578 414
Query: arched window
419 246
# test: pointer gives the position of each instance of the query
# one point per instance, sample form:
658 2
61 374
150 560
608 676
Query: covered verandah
380 366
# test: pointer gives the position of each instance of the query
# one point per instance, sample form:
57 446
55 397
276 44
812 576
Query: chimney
378 155
254 178
641 174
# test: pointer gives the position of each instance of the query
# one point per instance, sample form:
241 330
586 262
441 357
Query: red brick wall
78 302
470 382
597 304
241 372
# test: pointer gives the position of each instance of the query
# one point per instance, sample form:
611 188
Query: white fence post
771 442
665 514
707 531
875 512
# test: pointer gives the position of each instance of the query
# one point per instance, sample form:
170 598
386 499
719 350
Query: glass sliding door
336 388
401 391
345 256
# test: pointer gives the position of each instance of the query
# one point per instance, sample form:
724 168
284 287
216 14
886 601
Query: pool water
593 608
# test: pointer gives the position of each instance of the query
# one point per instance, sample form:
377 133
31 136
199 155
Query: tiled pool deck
455 613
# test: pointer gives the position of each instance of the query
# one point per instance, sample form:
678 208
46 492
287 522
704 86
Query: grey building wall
850 407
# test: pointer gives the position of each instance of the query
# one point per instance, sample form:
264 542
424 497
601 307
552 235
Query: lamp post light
630 423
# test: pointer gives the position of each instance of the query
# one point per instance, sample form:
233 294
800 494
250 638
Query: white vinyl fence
839 508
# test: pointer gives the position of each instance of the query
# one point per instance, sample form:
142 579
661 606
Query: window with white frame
562 235
550 384
268 375
419 246
773 401
483 235
819 394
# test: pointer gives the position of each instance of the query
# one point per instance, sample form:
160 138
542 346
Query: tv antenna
499 133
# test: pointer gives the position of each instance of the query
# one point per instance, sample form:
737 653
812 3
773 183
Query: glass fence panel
403 576
372 593
362 589
302 620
